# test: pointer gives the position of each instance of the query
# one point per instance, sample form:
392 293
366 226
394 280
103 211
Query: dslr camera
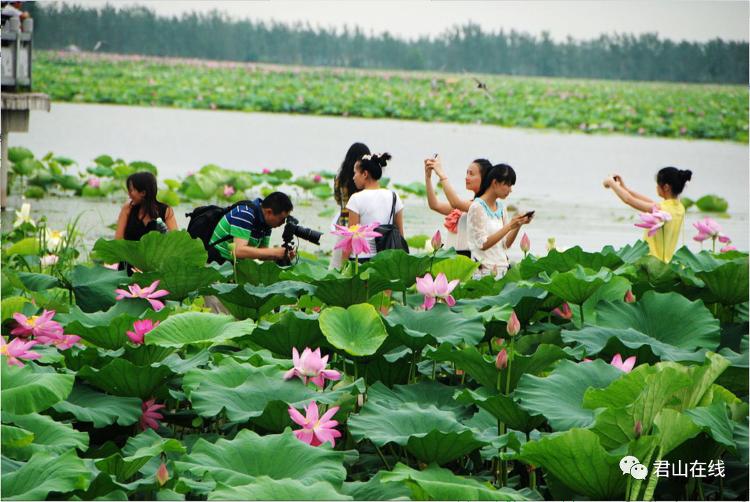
293 229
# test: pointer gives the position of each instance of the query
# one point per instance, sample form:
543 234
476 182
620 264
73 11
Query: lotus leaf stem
380 453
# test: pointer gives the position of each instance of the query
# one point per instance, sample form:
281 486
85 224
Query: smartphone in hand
529 214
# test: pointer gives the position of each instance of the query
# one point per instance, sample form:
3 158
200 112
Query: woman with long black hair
343 188
139 215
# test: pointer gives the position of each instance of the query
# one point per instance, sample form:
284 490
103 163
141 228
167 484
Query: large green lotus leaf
11 305
347 291
292 329
704 261
134 308
246 300
436 483
179 278
39 282
32 389
468 359
415 329
611 340
673 428
502 407
715 420
357 330
123 378
544 357
197 328
524 300
49 436
110 336
728 283
741 439
18 153
88 405
422 417
15 437
395 269
154 251
577 285
136 453
306 271
555 261
668 317
629 253
26 247
94 287
376 489
249 456
459 267
577 458
265 488
244 391
614 290
559 396
46 473
252 272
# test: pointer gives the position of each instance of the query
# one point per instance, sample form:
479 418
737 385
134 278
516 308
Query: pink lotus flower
653 221
94 182
451 221
525 244
311 365
140 328
64 343
501 361
162 474
42 327
439 288
315 431
626 365
17 350
437 241
728 248
317 178
149 415
356 238
709 229
228 190
149 294
514 325
49 260
266 170
629 297
563 311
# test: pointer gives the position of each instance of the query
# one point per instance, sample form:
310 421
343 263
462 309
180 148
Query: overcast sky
677 20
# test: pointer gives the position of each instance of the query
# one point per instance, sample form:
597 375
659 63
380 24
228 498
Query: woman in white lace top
490 233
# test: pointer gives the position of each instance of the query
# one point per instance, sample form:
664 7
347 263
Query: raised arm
171 220
455 201
432 200
636 195
626 197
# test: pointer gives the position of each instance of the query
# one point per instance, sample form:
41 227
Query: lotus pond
592 107
363 383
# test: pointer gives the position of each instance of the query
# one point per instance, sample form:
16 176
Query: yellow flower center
354 228
32 320
4 350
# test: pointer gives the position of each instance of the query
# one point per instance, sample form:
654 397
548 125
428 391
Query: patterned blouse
341 194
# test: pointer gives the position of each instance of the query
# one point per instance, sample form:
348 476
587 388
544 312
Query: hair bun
382 159
686 174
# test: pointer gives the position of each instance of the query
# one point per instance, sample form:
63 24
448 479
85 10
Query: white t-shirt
374 206
482 222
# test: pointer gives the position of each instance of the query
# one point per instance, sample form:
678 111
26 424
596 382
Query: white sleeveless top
483 222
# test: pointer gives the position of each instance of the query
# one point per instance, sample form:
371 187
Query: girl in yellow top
670 182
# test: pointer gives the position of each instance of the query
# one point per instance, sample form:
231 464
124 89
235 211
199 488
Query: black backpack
390 237
203 221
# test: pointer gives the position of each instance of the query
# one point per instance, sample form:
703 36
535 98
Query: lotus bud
437 241
317 178
514 325
266 170
728 248
228 190
525 244
501 361
360 400
459 372
629 297
638 429
162 474
497 343
550 244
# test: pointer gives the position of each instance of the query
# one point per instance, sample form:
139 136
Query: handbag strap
393 209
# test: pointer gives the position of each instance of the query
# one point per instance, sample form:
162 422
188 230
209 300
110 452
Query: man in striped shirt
249 228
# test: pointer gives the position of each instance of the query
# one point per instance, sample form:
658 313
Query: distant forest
213 35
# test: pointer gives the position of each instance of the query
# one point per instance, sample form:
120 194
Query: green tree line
214 35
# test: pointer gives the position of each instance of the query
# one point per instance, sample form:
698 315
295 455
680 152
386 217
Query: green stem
434 368
700 490
510 364
648 494
581 310
381 456
627 487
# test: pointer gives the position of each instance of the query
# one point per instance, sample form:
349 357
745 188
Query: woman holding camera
489 232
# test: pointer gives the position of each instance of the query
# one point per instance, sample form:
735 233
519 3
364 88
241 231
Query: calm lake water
559 174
